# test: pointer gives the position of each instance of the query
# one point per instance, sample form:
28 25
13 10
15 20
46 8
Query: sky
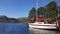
19 8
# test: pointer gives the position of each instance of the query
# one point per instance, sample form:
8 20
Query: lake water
40 31
13 28
19 28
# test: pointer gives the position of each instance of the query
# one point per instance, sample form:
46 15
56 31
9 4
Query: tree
52 10
32 14
41 11
51 7
49 10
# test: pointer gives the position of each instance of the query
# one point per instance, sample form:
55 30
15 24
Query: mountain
5 19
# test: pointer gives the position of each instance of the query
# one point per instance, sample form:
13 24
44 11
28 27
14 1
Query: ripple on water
39 31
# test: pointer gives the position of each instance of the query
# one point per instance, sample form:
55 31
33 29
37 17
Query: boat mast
36 3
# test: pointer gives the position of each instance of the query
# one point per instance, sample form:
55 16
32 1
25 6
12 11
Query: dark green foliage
58 18
32 15
51 6
49 11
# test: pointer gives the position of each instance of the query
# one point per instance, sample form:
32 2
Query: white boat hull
43 26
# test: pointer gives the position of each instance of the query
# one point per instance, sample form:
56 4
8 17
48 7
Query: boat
41 25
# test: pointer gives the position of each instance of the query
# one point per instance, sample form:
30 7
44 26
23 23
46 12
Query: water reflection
37 31
58 32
